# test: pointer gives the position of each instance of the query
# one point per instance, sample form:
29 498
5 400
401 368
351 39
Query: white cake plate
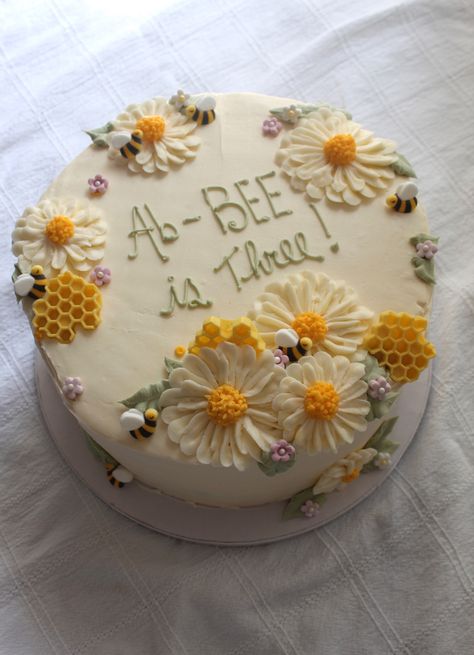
226 527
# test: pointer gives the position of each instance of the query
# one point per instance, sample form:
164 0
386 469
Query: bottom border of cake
228 526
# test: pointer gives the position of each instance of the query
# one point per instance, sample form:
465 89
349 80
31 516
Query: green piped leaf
293 507
373 369
381 433
378 408
16 272
422 237
98 135
171 364
279 112
100 453
147 397
424 269
402 166
271 468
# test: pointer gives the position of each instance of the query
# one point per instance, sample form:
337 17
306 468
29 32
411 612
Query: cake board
211 525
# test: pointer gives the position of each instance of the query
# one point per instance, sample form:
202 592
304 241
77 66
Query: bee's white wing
407 191
286 337
119 139
206 103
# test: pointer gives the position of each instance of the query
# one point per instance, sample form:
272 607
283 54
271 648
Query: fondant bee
32 284
117 475
128 144
148 427
404 199
202 111
290 343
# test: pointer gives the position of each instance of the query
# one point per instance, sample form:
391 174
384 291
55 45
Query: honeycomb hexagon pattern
69 303
398 342
241 331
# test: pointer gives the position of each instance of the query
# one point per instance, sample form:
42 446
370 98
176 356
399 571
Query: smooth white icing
126 352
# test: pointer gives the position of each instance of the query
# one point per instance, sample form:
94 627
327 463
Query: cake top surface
199 220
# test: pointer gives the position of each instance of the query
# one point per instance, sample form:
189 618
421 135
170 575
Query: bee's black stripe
398 204
136 138
195 116
205 118
133 149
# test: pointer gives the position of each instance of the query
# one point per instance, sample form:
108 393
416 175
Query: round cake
229 292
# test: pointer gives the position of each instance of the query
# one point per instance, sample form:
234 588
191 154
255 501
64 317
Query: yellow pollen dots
340 150
321 401
153 127
310 324
225 404
59 230
180 351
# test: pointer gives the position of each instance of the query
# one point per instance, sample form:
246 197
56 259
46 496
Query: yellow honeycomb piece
241 331
398 342
69 303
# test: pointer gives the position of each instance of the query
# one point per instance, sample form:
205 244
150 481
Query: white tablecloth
395 575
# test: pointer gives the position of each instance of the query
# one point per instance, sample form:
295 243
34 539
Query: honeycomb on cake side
398 342
68 304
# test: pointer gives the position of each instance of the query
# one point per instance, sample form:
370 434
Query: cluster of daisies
228 405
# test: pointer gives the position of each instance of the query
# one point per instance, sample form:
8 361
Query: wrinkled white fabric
396 574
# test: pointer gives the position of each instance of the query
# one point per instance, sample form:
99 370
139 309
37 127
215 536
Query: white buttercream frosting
176 145
302 157
79 253
346 389
344 471
333 300
186 405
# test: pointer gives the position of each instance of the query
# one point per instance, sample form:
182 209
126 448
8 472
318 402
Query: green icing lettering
192 219
189 287
266 262
232 225
271 194
226 262
144 230
167 232
250 201
320 219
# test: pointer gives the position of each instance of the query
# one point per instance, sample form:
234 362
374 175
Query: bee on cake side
404 200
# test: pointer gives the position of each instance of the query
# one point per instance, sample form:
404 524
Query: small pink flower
271 126
98 184
282 451
72 388
101 276
379 388
309 508
426 249
281 359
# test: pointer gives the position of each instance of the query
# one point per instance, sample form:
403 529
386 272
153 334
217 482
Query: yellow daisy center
350 477
59 229
321 401
310 324
340 150
153 127
225 404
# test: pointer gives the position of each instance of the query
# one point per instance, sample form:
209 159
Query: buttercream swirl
321 402
59 235
316 306
219 406
168 138
329 155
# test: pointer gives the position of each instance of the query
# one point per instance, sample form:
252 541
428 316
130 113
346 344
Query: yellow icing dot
225 404
350 477
59 229
340 150
321 401
397 340
152 127
310 325
180 351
